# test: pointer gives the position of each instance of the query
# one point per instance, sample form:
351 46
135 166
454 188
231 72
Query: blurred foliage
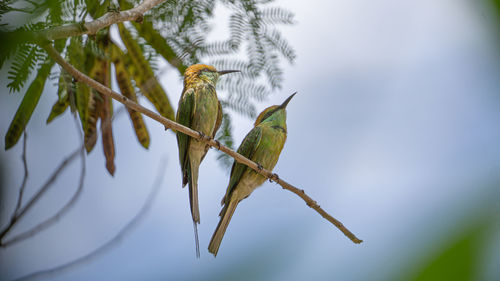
496 4
460 258
174 30
458 262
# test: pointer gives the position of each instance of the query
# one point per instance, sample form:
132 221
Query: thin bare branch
314 205
113 241
76 29
38 195
14 217
49 183
64 210
25 178
57 216
197 135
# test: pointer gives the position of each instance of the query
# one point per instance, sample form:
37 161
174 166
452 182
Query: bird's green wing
247 148
218 122
185 117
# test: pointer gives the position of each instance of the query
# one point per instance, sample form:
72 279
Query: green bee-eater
200 110
263 145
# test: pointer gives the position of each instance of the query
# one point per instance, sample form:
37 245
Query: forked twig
113 241
37 196
25 178
48 222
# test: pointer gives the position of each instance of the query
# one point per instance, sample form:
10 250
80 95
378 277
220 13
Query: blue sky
394 132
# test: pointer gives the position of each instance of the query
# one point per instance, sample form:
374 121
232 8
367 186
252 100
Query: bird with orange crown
200 110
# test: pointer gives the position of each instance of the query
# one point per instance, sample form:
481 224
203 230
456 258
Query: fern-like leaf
23 64
240 106
275 39
277 15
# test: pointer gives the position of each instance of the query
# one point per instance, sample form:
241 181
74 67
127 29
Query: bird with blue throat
199 109
262 145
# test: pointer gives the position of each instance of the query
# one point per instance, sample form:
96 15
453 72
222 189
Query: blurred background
394 131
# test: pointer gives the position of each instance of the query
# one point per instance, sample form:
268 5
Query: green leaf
64 94
58 108
458 257
96 8
458 262
144 76
55 8
127 89
86 106
25 110
154 38
31 98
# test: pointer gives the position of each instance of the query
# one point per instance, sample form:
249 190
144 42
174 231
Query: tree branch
17 215
197 135
76 29
14 217
48 222
25 178
113 241
22 211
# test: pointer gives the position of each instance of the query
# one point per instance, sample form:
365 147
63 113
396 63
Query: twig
76 29
314 205
48 222
190 132
113 241
17 215
37 196
25 179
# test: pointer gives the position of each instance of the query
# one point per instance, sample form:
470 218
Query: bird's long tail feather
193 191
196 240
227 213
193 199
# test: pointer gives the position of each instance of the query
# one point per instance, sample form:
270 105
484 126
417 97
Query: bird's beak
222 72
285 103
